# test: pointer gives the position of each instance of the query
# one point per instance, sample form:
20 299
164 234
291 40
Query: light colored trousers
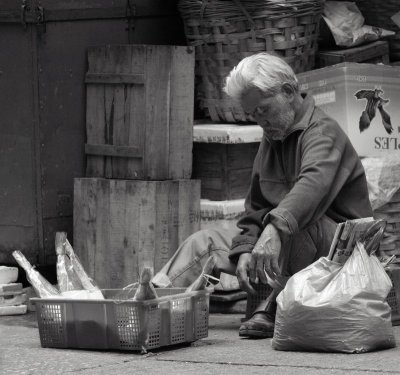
298 251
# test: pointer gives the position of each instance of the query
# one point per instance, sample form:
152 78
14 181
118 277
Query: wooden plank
188 209
85 216
95 114
115 261
65 10
132 224
113 150
181 112
135 114
115 78
102 253
147 220
371 52
121 62
173 219
157 70
109 102
163 243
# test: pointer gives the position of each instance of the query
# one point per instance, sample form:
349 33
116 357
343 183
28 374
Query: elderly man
306 178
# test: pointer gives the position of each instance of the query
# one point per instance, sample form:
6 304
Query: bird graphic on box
374 101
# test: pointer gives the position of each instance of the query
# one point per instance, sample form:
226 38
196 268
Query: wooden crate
223 156
140 112
121 226
224 169
373 53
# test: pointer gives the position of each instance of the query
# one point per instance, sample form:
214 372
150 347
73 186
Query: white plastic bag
336 308
346 24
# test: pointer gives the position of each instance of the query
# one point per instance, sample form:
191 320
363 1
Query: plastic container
118 323
8 274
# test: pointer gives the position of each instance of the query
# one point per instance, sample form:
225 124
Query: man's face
272 112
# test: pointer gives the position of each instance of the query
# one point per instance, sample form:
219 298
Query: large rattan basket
225 31
378 13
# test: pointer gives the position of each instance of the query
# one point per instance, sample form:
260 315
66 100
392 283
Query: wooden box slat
120 226
375 52
140 96
224 169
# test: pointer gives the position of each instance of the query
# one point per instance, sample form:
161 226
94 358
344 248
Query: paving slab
223 352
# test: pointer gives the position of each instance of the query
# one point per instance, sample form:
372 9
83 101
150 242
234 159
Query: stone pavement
223 352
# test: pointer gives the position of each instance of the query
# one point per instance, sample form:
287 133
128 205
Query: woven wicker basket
378 13
225 31
390 244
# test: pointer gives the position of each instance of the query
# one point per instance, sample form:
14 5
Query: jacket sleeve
323 172
251 224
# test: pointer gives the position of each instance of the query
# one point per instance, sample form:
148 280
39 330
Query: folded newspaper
367 231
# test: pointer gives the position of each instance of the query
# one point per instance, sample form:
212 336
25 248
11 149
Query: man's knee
204 238
314 242
212 239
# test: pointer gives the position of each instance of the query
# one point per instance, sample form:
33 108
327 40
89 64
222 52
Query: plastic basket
175 317
224 32
253 300
393 298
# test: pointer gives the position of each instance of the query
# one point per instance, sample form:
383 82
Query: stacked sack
12 296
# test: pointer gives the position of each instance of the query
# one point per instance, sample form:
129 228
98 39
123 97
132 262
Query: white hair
263 70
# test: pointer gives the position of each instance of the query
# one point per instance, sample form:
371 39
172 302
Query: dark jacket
313 171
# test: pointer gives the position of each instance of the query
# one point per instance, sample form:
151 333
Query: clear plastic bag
66 277
346 23
336 308
41 286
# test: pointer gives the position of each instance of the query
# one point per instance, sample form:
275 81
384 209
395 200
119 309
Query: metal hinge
32 13
25 9
39 18
131 18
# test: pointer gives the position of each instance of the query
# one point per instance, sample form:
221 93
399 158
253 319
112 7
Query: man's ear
288 91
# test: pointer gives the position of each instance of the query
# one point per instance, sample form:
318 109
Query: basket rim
130 302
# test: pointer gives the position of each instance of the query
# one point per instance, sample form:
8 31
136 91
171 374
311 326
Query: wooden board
224 169
120 226
140 97
375 52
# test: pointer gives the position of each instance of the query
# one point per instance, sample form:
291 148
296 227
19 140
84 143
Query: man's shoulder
322 124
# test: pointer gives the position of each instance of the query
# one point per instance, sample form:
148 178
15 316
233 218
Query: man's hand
265 255
242 273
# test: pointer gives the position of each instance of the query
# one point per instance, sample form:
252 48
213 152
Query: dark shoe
260 325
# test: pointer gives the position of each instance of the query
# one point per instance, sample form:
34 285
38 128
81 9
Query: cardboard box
334 89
